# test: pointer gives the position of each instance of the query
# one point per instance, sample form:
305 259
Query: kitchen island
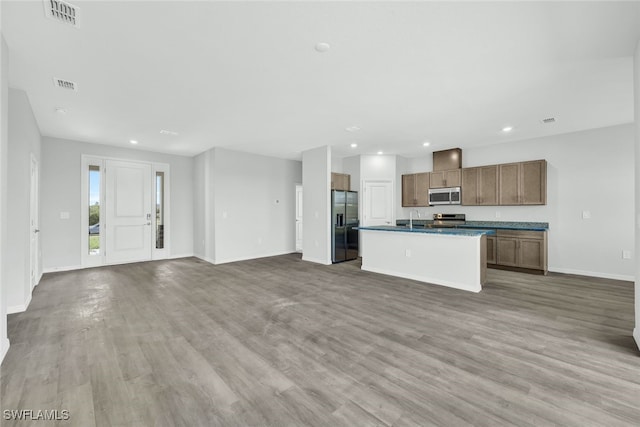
451 257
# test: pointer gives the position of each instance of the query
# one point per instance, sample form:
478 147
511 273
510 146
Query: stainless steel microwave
444 196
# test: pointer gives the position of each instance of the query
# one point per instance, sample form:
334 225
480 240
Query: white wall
4 144
636 80
587 171
253 205
60 192
316 200
200 195
24 140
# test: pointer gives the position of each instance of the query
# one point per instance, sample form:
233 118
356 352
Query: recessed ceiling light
507 129
426 144
133 141
323 47
168 132
379 153
352 129
354 145
60 110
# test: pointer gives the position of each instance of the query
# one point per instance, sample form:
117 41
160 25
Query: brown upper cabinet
415 190
480 186
523 183
447 159
448 178
340 181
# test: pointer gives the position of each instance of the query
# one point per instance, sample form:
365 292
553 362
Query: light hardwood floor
282 342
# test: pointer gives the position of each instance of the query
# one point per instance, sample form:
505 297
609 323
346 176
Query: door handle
36 231
148 223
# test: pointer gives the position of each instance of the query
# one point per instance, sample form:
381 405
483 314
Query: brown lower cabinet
516 249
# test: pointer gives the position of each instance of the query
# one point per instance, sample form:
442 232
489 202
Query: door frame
87 160
34 223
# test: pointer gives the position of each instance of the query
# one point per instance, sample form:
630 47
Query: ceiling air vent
62 12
548 120
65 84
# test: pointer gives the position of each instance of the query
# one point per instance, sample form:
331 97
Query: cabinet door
333 180
487 185
509 178
507 251
422 189
408 190
470 186
346 182
491 249
452 178
436 180
531 254
534 183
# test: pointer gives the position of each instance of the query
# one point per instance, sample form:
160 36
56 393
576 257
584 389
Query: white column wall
4 143
636 81
316 210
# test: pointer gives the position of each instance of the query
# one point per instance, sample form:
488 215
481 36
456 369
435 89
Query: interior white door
34 246
378 203
128 211
298 218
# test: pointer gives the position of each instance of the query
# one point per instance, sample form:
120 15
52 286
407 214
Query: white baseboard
636 336
593 274
247 258
65 268
4 347
180 256
204 258
316 260
19 308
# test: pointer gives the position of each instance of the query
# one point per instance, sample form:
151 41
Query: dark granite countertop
501 225
469 232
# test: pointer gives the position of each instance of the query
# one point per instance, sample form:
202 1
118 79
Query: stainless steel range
442 220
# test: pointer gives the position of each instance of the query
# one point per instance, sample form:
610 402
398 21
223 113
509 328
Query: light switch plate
586 214
626 254
64 215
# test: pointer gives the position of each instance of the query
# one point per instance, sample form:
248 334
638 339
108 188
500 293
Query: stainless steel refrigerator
344 218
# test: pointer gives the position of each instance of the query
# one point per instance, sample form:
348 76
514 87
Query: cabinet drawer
521 234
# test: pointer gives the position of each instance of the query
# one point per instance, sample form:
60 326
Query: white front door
128 211
378 203
34 246
298 218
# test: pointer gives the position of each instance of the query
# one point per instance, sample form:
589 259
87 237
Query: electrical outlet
497 214
626 254
586 215
64 215
407 253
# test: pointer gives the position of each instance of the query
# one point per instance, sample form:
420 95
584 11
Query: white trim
67 268
636 336
316 260
598 274
181 256
19 308
247 258
204 258
88 260
419 278
4 347
39 278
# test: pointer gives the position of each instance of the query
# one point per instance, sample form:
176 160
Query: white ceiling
246 76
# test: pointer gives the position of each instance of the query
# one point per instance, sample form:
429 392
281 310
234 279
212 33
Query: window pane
94 210
159 210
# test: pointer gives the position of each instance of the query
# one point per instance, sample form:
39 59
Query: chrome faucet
411 218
